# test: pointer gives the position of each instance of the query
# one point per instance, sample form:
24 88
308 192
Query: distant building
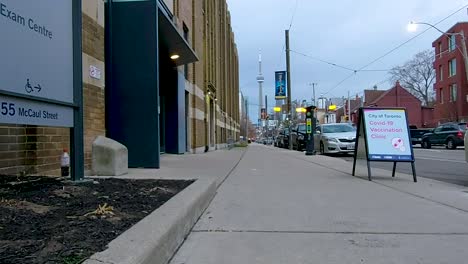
451 80
342 114
397 96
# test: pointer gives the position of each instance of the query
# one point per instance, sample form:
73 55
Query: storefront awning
173 41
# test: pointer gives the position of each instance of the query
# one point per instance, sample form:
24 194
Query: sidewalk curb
157 236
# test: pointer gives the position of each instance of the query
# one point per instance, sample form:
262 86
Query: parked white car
335 138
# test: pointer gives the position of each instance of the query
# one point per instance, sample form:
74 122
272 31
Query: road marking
438 159
432 150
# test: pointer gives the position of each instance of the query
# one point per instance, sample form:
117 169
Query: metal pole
313 94
246 119
465 53
76 132
349 108
288 73
266 114
313 90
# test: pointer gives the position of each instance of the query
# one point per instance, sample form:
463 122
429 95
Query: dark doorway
162 123
187 121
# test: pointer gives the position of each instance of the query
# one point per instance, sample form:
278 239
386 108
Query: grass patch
241 145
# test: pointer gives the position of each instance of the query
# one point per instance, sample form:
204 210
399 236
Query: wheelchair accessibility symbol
29 88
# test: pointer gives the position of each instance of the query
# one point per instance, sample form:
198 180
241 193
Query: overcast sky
350 33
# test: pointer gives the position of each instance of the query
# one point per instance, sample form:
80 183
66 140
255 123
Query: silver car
335 138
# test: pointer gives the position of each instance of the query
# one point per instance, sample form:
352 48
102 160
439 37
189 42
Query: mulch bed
51 220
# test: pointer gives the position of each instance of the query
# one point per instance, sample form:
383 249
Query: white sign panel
27 112
387 135
37 48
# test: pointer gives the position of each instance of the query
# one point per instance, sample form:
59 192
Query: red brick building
451 86
418 115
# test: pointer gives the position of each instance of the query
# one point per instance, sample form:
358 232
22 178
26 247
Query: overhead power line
294 14
290 26
332 63
394 49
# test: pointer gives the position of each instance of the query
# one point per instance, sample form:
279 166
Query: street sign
37 48
28 112
383 135
41 68
280 85
37 61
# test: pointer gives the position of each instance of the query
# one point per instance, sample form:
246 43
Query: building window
453 93
441 72
441 96
452 43
452 67
440 49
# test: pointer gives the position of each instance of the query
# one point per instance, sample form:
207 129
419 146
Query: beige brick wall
212 39
37 150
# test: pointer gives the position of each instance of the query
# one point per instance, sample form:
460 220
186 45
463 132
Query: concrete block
110 158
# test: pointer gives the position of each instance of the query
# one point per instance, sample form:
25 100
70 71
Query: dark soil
50 220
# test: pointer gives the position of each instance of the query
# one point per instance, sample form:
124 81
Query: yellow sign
301 110
277 109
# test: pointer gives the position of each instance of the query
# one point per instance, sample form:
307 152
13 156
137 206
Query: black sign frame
361 126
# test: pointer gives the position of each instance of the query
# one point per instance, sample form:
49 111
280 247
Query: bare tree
417 76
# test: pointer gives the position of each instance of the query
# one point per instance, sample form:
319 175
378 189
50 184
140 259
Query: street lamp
413 26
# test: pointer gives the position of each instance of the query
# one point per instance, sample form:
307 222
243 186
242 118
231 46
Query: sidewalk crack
330 232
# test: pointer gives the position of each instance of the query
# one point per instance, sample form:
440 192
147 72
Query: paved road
436 163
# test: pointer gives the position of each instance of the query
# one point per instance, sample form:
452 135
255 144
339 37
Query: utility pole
266 114
465 53
246 118
313 93
288 75
349 108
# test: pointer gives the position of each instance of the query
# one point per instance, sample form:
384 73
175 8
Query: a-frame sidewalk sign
383 135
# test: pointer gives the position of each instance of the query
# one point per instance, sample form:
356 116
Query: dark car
278 139
298 137
417 134
449 134
282 140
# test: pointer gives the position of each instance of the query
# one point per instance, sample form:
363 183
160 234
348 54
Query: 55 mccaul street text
11 110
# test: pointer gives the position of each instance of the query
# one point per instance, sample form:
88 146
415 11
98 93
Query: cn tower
260 80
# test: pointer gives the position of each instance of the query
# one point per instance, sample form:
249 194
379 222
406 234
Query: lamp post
412 26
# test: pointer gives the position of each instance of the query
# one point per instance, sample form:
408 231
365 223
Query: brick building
145 99
451 86
397 96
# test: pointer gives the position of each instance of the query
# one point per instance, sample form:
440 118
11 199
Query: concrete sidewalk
214 165
280 206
